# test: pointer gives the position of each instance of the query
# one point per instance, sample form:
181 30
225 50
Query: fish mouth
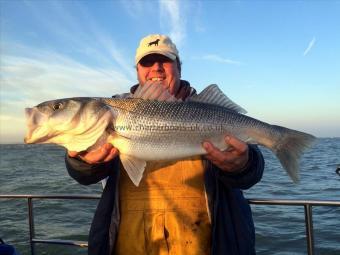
39 134
36 133
29 138
30 125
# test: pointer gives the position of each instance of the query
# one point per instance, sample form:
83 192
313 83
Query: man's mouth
156 79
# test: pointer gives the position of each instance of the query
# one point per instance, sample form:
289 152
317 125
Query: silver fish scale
150 120
178 111
146 123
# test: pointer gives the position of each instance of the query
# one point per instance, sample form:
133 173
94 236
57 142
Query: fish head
75 123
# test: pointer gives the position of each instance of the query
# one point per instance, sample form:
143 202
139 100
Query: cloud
136 8
216 58
39 75
55 74
196 17
171 16
90 41
309 47
42 68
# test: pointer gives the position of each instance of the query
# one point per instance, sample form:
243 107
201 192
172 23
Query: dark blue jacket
232 224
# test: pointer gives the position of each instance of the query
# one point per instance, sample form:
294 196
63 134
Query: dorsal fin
154 91
214 95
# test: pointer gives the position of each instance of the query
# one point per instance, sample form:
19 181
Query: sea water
40 169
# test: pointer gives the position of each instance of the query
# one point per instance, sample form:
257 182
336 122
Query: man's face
156 67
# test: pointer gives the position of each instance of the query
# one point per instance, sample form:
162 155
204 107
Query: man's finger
97 155
73 154
213 152
237 144
112 154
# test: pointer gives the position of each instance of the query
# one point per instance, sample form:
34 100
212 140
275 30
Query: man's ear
179 67
136 66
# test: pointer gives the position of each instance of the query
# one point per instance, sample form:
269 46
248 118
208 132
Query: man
191 206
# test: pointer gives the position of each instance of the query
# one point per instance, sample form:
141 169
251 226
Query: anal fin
134 167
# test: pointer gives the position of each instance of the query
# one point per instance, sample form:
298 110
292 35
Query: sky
279 60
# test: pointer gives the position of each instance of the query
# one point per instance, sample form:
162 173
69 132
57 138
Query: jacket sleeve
88 174
251 174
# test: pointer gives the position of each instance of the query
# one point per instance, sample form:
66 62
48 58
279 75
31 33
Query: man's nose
157 65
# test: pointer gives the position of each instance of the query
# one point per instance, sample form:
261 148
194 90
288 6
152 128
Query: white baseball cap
156 44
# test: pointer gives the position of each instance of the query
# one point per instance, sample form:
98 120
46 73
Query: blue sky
280 60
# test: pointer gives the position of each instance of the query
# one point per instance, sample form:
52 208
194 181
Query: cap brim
167 54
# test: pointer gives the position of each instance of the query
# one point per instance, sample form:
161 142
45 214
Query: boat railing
307 204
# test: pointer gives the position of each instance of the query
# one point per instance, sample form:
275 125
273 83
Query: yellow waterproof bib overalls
167 213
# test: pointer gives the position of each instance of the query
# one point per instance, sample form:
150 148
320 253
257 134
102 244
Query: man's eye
147 62
57 106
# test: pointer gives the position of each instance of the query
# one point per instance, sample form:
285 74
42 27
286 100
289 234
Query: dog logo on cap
155 42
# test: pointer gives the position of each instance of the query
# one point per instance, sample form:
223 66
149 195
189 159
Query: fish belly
165 141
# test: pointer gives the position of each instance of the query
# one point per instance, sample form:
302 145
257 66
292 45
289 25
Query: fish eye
57 106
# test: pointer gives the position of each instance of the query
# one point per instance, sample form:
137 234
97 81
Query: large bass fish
152 130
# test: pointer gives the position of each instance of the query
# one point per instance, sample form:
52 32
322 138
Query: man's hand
104 154
233 159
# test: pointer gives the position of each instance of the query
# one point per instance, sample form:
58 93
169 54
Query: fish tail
289 149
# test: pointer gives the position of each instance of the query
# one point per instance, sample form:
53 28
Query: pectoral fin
134 167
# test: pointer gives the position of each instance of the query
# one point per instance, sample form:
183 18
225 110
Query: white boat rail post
31 223
309 228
